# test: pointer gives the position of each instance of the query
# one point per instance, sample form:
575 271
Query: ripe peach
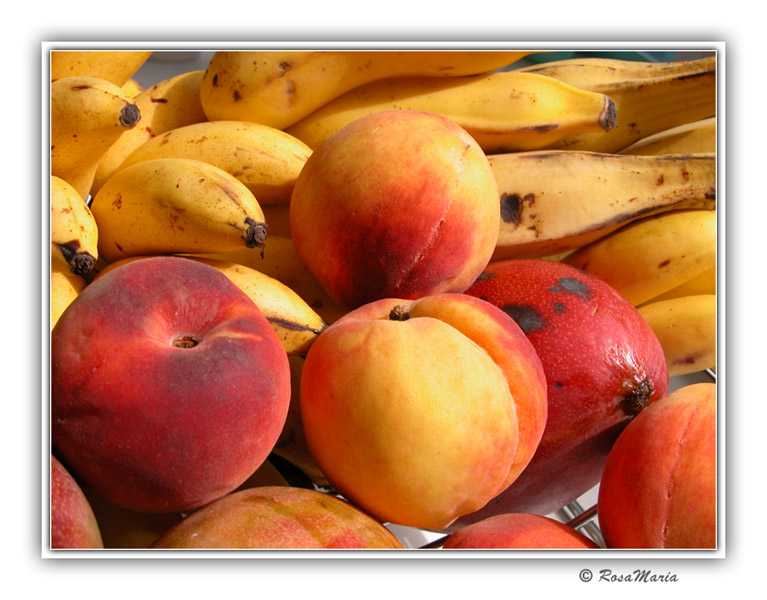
519 531
73 524
603 365
422 411
658 489
279 517
169 388
397 204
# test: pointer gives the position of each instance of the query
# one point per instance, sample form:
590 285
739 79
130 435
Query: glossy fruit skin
603 365
168 385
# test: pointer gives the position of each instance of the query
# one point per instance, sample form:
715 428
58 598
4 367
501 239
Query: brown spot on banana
293 326
609 117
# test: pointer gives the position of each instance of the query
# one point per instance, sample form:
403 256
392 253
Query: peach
658 489
169 388
73 524
279 517
519 531
397 204
420 411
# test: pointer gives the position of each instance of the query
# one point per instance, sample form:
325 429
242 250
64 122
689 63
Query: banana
559 200
88 115
705 283
116 66
690 138
74 234
280 260
686 329
505 111
265 159
65 287
649 97
132 88
653 255
167 105
175 205
294 321
292 445
279 88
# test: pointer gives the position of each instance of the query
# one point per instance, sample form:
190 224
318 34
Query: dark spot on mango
559 307
559 385
525 315
634 401
570 285
484 275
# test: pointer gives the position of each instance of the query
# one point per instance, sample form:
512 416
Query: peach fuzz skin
279 517
421 420
519 531
169 387
397 204
658 488
73 524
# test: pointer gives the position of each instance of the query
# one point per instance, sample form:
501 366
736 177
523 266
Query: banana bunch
689 138
65 287
294 321
555 201
74 233
88 116
281 88
665 265
166 105
505 111
265 159
649 97
116 66
175 205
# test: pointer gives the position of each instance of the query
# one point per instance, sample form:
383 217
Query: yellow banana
559 200
292 445
88 115
132 88
65 287
265 159
279 88
705 283
294 321
280 260
690 138
74 234
653 255
116 66
169 104
649 97
175 205
506 111
686 329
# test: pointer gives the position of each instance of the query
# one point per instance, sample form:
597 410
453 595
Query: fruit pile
298 297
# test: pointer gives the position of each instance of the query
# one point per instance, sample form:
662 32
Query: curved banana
116 66
507 111
292 445
649 97
280 260
559 200
175 205
265 159
653 255
686 329
65 287
279 88
88 115
132 88
690 138
294 321
74 234
167 105
705 283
